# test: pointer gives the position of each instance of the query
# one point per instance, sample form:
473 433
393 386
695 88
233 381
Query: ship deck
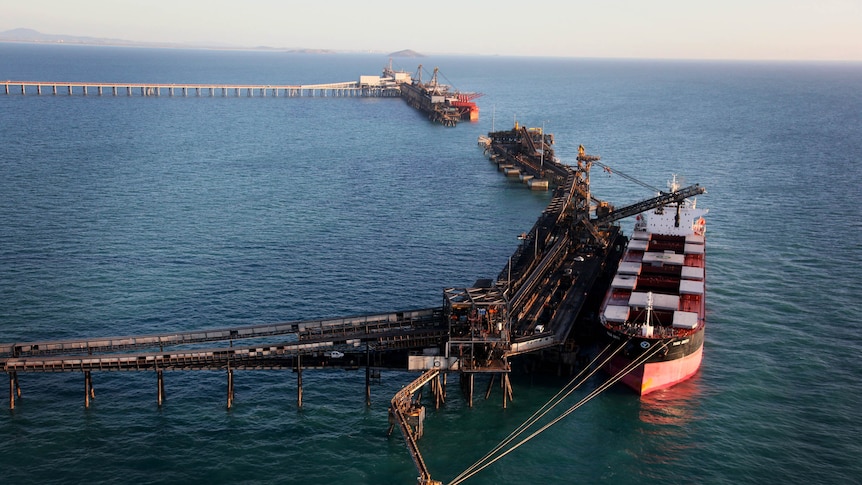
664 273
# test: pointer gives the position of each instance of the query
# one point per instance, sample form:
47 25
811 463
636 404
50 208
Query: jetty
365 87
436 100
541 306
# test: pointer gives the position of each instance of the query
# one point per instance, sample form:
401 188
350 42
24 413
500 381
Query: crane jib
645 205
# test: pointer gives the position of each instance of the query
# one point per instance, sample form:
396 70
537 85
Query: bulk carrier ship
437 101
657 299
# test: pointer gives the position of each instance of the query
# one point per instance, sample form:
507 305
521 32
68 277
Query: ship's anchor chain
497 453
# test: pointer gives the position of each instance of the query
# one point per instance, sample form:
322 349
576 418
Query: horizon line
75 40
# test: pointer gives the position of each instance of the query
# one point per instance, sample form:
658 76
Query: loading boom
662 200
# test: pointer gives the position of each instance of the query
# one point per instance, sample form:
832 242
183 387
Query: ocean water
143 215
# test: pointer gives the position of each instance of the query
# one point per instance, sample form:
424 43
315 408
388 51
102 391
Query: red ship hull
467 110
654 376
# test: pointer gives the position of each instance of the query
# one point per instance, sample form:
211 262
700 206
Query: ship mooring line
572 385
611 381
546 408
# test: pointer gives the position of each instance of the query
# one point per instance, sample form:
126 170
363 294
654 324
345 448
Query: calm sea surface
143 215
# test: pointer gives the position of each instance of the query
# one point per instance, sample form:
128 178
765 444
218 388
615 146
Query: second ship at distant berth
438 101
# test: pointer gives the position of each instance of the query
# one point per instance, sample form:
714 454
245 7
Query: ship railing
658 331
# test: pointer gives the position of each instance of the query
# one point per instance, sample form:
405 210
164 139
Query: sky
654 29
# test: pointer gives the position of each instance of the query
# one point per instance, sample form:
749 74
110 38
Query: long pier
337 89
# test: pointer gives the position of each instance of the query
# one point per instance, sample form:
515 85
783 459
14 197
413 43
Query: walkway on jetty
338 89
384 331
307 344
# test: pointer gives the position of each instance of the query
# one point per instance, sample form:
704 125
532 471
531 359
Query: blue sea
138 215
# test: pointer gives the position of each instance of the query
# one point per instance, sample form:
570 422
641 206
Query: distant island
406 53
36 37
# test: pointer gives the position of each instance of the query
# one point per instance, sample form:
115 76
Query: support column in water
367 376
89 392
230 393
299 380
14 389
160 385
